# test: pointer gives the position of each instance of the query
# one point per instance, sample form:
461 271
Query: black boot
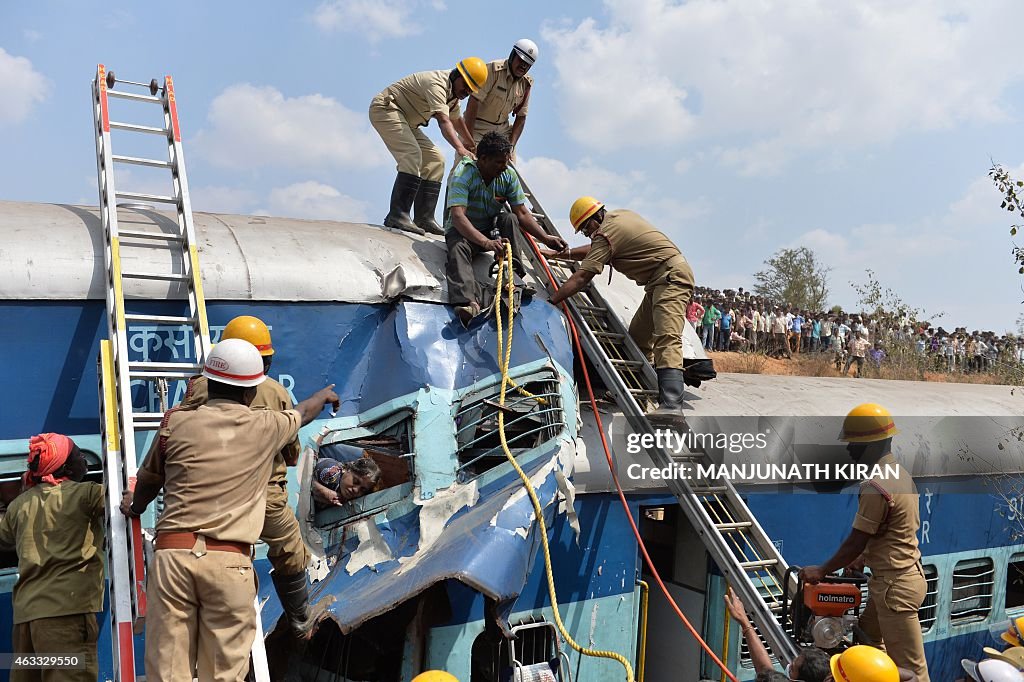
293 591
426 203
671 388
403 194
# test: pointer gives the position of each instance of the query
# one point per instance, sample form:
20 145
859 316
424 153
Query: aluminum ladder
743 551
120 418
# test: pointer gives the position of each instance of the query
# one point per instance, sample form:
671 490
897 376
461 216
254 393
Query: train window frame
966 575
931 598
403 421
1015 563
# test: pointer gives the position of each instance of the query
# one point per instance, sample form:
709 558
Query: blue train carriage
961 442
436 566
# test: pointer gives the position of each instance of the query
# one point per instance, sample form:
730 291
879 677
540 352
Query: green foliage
794 277
1012 202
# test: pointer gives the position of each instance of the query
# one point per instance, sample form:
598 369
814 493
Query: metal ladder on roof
740 547
127 311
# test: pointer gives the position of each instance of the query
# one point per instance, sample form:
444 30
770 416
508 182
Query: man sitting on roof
476 219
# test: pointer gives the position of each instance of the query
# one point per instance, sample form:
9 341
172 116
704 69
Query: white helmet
527 50
235 362
991 670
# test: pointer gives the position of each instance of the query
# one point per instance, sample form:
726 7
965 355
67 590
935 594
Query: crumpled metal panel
481 533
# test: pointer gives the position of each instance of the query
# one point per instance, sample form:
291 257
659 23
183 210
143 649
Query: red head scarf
47 453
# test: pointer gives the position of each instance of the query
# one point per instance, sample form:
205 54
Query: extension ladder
119 417
726 526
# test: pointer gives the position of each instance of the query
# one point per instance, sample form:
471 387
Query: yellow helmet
473 71
435 676
250 329
1014 635
864 664
866 423
583 208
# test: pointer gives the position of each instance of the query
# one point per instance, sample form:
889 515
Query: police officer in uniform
285 549
885 532
506 93
631 245
398 112
214 462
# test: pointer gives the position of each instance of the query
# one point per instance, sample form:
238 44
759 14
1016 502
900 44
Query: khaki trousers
890 617
201 619
412 149
285 548
58 635
657 325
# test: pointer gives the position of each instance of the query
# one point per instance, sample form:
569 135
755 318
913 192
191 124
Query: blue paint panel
373 353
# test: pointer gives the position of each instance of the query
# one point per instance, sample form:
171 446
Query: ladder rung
147 197
712 490
168 276
139 161
150 235
117 125
161 319
147 421
643 391
608 335
763 563
159 370
583 307
735 525
132 95
628 363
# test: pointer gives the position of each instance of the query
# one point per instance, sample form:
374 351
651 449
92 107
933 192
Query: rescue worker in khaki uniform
635 248
285 549
885 532
56 526
398 112
213 462
506 93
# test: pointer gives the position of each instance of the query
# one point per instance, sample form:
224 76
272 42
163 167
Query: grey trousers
463 287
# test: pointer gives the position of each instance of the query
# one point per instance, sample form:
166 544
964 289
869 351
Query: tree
1012 202
884 302
795 277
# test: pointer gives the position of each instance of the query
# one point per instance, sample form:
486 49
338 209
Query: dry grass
822 365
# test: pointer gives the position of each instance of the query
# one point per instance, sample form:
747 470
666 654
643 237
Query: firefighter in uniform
635 248
213 462
56 526
398 112
285 549
885 532
506 93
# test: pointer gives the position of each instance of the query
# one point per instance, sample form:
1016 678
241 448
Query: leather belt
184 540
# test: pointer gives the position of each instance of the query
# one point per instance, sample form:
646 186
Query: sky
863 130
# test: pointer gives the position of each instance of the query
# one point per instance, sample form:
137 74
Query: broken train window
529 421
388 444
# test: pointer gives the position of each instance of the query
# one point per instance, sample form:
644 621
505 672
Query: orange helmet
251 329
866 423
582 209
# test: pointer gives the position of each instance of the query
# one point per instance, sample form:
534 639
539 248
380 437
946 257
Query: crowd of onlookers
740 321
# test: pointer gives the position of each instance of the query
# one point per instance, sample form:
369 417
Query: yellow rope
504 357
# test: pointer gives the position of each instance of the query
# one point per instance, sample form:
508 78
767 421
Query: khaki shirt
502 94
888 512
215 465
57 531
270 395
631 245
422 95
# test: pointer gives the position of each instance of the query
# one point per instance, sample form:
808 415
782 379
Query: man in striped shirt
477 220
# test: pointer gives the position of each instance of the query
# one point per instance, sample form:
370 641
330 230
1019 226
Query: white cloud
786 76
222 199
22 85
374 19
250 126
31 35
315 201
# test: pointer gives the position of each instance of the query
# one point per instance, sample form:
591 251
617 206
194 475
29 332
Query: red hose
615 476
